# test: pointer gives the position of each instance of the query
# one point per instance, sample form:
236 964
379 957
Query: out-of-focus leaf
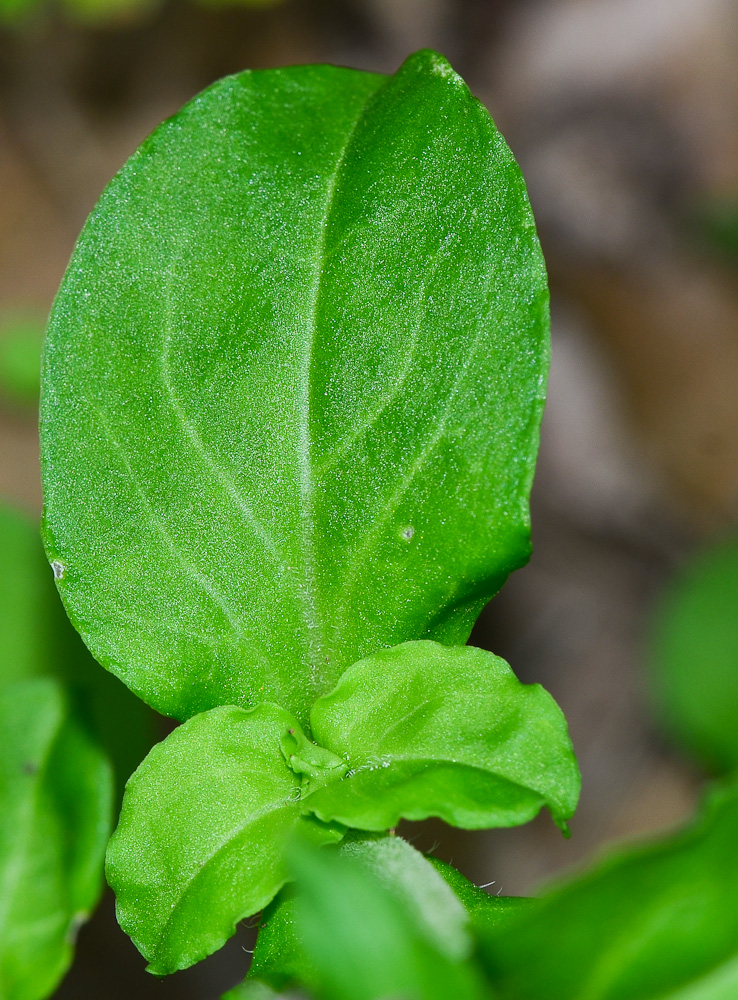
429 730
92 12
433 907
694 658
55 818
12 11
252 989
651 922
202 831
20 352
31 617
292 386
37 639
718 223
367 940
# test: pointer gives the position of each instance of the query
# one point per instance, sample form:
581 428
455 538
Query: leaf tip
563 826
430 61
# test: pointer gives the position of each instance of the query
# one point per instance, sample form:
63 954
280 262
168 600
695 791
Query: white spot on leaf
59 569
407 533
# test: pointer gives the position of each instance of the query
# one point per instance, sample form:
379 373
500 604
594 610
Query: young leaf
279 960
429 730
432 908
653 922
55 818
486 910
369 935
694 658
201 836
292 386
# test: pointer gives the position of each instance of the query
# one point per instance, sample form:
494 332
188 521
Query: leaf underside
292 386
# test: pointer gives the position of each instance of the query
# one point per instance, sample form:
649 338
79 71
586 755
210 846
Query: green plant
67 731
292 387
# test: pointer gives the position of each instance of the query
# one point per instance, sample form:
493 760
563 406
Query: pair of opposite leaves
415 731
290 407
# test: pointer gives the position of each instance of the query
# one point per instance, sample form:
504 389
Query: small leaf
315 765
694 657
55 818
488 912
429 730
408 875
201 836
292 386
652 922
279 960
363 921
432 908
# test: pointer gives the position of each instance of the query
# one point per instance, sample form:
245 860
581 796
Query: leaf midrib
314 621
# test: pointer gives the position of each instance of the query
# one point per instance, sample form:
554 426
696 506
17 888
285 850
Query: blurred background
624 117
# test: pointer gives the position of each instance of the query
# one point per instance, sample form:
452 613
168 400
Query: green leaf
30 617
433 908
429 730
251 989
694 657
410 877
370 926
201 836
488 912
55 818
292 386
653 922
20 352
717 223
279 960
37 639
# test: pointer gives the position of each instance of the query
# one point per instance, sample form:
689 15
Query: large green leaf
55 818
202 831
654 922
429 730
694 657
292 386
